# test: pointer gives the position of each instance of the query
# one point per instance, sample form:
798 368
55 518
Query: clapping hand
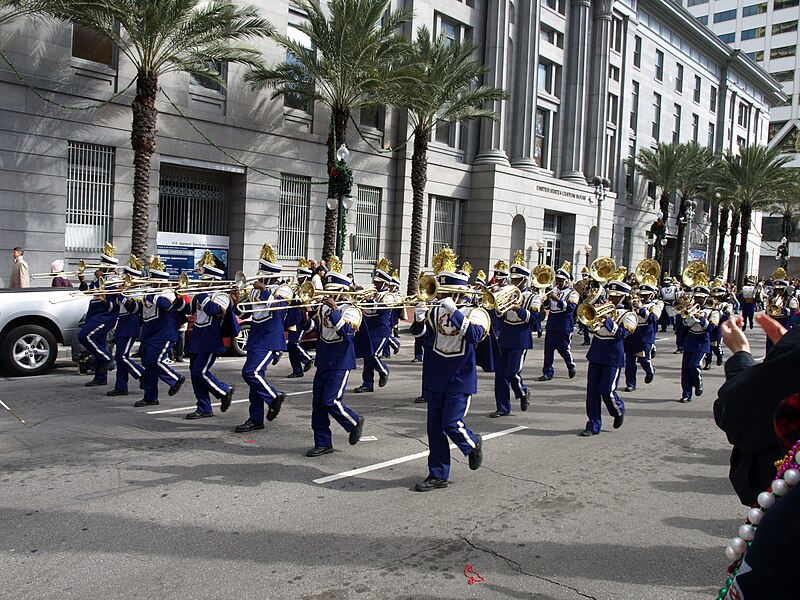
771 327
733 336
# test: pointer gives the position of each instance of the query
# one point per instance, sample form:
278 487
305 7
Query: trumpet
429 288
711 302
775 307
690 311
593 316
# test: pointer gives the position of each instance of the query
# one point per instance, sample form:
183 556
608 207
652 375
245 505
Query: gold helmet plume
268 253
207 259
302 262
158 264
481 275
335 264
108 250
567 267
466 268
444 260
519 257
501 265
384 264
134 263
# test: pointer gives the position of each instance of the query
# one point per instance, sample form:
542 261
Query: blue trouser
748 312
298 357
203 380
679 333
153 355
94 337
446 414
584 330
690 371
261 392
508 375
666 320
374 363
630 364
393 344
418 348
125 364
716 350
556 341
601 385
328 401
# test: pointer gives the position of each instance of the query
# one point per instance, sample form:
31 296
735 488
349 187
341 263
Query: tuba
647 271
602 269
695 273
543 276
593 316
502 299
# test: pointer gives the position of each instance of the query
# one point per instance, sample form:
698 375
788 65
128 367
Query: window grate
193 201
90 196
368 212
293 216
444 224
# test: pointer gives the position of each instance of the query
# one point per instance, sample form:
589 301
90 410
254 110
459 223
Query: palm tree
753 179
11 9
694 176
160 37
448 91
736 218
353 61
787 207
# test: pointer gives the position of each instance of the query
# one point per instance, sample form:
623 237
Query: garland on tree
341 180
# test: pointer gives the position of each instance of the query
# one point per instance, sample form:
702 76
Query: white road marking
185 408
402 459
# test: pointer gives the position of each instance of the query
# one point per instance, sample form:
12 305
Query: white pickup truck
33 322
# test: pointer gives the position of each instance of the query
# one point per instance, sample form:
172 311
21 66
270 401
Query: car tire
28 350
239 343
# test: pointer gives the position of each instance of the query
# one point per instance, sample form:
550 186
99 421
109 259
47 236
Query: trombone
82 266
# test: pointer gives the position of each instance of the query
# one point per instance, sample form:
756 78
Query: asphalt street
103 500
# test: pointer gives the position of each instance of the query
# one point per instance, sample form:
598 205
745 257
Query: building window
744 115
783 51
629 166
613 109
616 35
728 38
740 141
207 82
453 31
443 224
783 75
676 124
293 100
751 34
90 196
712 103
679 78
757 56
368 212
786 27
781 4
634 122
293 216
695 128
656 116
193 201
725 15
372 117
613 72
637 52
755 9
698 87
541 139
696 2
547 77
551 36
703 19
552 238
712 134
659 65
87 44
556 5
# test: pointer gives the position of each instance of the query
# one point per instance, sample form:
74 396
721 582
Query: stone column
574 112
524 93
597 114
491 139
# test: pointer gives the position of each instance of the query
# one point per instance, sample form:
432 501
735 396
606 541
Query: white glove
419 313
449 305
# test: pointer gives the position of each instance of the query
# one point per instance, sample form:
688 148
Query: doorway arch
517 235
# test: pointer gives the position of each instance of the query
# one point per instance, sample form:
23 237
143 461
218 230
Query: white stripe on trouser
160 361
204 374
381 368
338 402
614 389
95 346
260 379
462 428
303 353
518 373
132 366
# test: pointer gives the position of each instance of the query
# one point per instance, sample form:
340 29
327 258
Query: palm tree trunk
679 241
337 135
722 231
419 178
744 233
713 234
732 249
143 142
663 206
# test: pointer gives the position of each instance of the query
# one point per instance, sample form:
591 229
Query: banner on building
697 254
181 252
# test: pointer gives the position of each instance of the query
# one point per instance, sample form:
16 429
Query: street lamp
588 250
688 217
339 197
540 246
601 185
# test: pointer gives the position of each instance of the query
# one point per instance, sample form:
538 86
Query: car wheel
28 350
239 345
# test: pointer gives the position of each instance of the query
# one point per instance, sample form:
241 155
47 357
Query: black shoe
684 400
227 398
654 352
275 406
355 434
538 334
571 373
499 413
395 350
544 378
416 360
649 377
629 389
177 387
276 360
295 375
319 451
198 415
698 391
117 393
678 351
362 388
618 421
420 400
585 343
94 383
525 401
476 456
384 379
141 403
308 365
587 433
248 426
430 484
719 360
707 367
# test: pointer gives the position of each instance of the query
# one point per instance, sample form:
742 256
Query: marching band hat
382 268
700 290
129 270
158 269
501 269
396 278
718 290
565 271
668 280
618 287
267 263
303 270
452 279
780 283
334 280
584 272
107 258
480 278
520 271
648 288
446 271
211 272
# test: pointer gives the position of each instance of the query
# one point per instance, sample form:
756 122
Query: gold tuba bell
602 269
543 276
647 271
593 316
775 307
695 273
502 299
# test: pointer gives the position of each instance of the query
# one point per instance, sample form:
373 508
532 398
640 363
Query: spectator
147 266
323 265
56 267
20 277
312 264
319 273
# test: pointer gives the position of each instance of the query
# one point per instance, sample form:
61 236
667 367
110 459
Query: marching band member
782 305
639 344
211 309
583 288
683 298
393 343
667 292
129 326
162 313
513 342
606 358
297 323
748 301
101 316
724 310
561 303
336 324
696 346
374 336
449 373
265 339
